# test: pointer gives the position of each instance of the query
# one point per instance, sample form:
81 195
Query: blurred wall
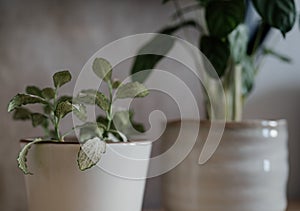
38 37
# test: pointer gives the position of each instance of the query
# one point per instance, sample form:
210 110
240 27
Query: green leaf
90 153
248 75
21 114
102 68
61 78
22 156
132 90
271 52
24 99
48 93
39 119
155 50
217 52
47 109
91 130
63 108
238 40
116 84
280 14
92 97
80 111
223 16
33 90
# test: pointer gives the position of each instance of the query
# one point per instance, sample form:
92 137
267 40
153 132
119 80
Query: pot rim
72 140
248 123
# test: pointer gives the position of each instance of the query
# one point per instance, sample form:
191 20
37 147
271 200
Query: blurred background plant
234 45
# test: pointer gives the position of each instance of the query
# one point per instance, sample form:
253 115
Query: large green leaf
102 68
92 97
155 50
217 52
24 99
131 90
238 40
90 153
61 78
280 14
222 16
33 90
21 114
63 108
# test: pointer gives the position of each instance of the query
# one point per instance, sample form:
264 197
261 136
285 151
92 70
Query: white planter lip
73 141
248 123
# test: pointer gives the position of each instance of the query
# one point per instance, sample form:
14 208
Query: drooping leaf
102 68
92 97
271 52
48 93
217 52
63 108
80 111
280 14
223 16
61 78
21 114
248 75
22 156
39 119
238 40
24 99
33 90
155 50
132 90
90 153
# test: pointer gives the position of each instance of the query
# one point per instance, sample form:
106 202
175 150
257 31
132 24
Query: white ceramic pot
58 185
248 172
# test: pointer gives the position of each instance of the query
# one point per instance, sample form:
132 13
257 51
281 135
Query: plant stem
56 119
109 113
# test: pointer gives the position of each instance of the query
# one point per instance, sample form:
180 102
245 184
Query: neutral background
39 37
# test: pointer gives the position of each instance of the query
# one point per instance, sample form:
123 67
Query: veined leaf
132 90
80 111
280 14
22 156
63 108
39 119
90 153
33 90
48 93
24 99
238 40
92 97
155 50
217 52
223 16
102 68
21 114
61 78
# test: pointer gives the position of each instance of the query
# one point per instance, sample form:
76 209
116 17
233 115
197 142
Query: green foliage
61 78
217 51
94 136
280 14
153 51
223 16
24 99
62 109
48 93
39 119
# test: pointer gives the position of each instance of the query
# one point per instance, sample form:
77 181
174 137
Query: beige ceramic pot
248 172
58 185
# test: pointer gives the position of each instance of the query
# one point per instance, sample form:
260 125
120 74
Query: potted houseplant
57 168
249 169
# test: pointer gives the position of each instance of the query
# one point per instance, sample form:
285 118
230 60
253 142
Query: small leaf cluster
113 126
224 38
